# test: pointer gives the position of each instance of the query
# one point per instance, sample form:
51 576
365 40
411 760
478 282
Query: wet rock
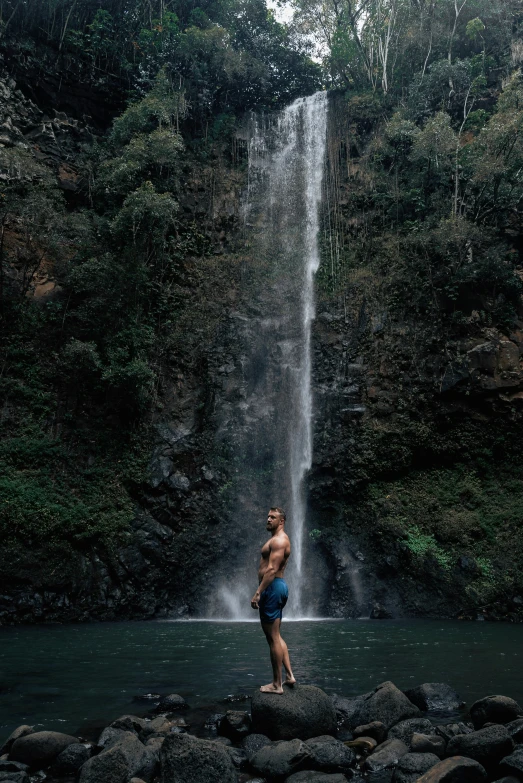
281 759
184 758
225 741
457 769
428 743
69 761
311 776
513 764
330 755
130 723
14 777
117 764
508 779
238 758
453 729
347 710
362 745
300 712
406 728
40 748
488 745
376 730
411 766
111 736
494 709
379 612
386 704
235 725
515 729
13 766
253 743
172 703
434 697
385 756
21 731
212 721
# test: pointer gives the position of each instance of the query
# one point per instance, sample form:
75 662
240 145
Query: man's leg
272 634
290 679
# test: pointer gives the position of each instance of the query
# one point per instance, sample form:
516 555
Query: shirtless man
271 596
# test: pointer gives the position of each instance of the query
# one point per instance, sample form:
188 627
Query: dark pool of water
74 678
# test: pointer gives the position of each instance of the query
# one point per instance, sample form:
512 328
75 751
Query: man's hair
280 511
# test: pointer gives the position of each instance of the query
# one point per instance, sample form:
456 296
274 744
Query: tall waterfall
269 430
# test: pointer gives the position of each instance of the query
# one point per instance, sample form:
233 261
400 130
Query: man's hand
255 600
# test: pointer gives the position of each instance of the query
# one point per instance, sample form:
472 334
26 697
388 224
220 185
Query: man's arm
276 558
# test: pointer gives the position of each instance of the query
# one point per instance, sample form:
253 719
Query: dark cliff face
414 490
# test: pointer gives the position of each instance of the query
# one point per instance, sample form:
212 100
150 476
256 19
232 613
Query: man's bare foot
290 681
271 688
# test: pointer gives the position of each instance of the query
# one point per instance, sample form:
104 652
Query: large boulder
130 723
301 712
515 729
21 731
406 728
347 709
330 755
494 709
71 759
386 755
186 759
111 736
386 704
40 748
173 702
428 743
457 769
117 764
14 777
412 766
281 759
450 730
513 764
434 697
488 745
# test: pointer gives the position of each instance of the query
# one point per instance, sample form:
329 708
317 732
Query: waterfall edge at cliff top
268 431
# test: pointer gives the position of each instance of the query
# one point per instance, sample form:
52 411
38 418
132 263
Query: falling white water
271 427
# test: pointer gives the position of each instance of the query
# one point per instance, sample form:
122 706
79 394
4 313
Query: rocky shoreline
304 736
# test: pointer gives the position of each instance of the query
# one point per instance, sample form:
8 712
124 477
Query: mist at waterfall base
77 678
268 432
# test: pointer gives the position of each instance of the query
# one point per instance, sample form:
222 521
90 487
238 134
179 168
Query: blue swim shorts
272 600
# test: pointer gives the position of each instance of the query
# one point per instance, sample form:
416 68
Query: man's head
275 519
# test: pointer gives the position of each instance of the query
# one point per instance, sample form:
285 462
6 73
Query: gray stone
13 766
494 709
411 766
40 748
172 703
186 759
330 755
386 755
386 704
14 777
515 729
428 743
376 730
406 728
122 761
434 697
235 725
130 723
457 769
487 746
312 776
302 712
513 764
281 759
347 710
238 757
253 743
71 759
110 737
21 731
452 730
